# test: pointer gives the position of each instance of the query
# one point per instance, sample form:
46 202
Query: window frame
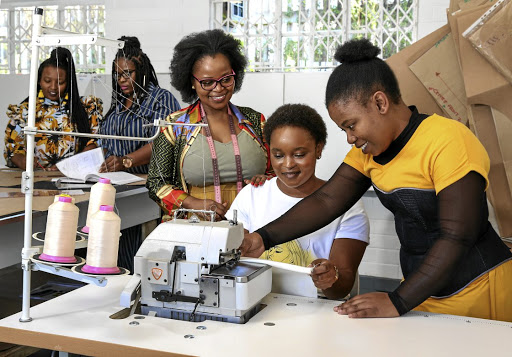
14 45
389 39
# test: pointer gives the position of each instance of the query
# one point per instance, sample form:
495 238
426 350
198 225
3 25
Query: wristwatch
127 162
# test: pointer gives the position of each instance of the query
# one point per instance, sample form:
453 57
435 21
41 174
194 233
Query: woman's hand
324 274
220 209
52 168
258 180
252 245
112 163
368 305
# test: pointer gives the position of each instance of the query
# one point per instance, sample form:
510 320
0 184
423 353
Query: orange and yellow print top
50 115
440 152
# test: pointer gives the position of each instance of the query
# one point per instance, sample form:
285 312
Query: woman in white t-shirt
297 135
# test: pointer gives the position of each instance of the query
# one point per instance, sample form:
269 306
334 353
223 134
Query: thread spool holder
68 273
44 36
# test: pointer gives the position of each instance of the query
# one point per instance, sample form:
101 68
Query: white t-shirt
257 206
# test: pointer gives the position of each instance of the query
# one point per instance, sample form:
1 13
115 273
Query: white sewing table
78 322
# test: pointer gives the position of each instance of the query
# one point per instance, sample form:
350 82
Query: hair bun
130 41
356 50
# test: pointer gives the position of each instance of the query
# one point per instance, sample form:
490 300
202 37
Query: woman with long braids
204 168
137 100
59 107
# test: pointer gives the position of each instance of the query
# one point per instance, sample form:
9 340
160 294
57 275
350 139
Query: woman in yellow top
431 173
59 107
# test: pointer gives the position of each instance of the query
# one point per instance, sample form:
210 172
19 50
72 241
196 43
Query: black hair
193 48
60 57
144 73
360 74
297 115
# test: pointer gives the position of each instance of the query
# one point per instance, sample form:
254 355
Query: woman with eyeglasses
205 167
137 100
59 107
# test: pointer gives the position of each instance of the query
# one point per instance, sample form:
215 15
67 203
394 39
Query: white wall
431 16
159 25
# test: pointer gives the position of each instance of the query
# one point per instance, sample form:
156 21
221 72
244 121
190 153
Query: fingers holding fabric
258 180
324 273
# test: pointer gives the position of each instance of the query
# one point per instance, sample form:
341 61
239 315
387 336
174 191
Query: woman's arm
461 206
163 185
90 147
336 276
20 161
139 157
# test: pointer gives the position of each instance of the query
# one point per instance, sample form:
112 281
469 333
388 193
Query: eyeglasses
125 74
210 84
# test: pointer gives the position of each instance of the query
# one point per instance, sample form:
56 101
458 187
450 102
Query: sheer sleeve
341 192
461 208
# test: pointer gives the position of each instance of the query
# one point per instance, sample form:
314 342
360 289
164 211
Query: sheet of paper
80 165
118 177
289 279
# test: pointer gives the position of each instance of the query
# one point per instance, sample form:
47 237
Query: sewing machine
188 269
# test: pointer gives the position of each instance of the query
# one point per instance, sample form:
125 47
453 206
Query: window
16 35
300 35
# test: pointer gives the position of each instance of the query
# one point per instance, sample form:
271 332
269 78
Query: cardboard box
439 71
413 91
445 58
483 83
500 188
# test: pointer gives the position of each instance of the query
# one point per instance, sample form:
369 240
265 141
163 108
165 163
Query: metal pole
28 176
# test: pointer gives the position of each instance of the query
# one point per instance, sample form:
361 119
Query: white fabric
257 206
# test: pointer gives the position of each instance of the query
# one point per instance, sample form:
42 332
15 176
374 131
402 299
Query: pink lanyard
215 164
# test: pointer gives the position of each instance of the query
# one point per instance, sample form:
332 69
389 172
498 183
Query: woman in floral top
58 108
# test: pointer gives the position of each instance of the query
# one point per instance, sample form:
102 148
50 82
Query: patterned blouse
166 180
49 149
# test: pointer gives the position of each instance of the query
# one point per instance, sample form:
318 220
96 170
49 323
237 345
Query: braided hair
144 72
360 74
61 58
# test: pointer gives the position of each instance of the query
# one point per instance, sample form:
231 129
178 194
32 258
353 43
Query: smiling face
213 68
366 127
53 82
125 74
293 154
